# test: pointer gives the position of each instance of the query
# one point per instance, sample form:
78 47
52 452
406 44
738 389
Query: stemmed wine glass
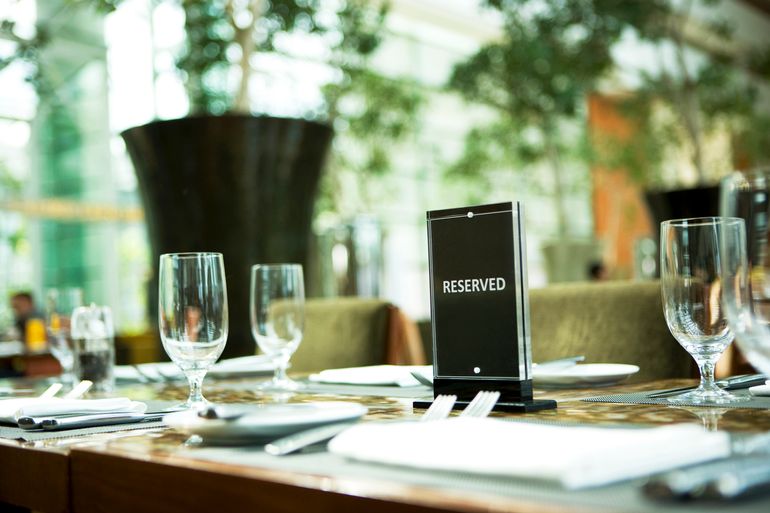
193 315
746 264
59 305
278 316
692 285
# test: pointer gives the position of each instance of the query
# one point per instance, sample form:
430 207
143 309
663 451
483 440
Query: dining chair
350 332
611 322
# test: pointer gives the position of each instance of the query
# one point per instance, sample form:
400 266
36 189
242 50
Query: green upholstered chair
350 332
615 322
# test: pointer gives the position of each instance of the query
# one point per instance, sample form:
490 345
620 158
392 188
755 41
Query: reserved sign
479 299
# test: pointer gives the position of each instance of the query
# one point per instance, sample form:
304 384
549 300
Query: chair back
608 322
351 332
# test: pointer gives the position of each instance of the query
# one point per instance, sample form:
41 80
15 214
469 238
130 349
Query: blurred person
24 309
597 271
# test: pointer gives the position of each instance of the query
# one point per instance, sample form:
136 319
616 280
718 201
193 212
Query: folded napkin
761 390
13 409
385 375
163 370
576 457
243 365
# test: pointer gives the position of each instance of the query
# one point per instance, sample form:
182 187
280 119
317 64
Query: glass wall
70 211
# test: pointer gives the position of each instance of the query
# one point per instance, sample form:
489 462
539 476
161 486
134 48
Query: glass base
280 385
189 404
707 396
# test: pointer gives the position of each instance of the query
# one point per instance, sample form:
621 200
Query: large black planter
700 201
243 186
663 205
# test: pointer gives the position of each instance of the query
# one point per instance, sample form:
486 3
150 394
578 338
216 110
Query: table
154 471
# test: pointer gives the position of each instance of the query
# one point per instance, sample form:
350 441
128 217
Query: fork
481 405
440 408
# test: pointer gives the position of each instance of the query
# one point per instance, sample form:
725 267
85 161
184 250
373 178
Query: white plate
585 374
262 423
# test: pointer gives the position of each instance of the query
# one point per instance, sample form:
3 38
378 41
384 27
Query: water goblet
277 307
691 286
59 305
193 315
746 263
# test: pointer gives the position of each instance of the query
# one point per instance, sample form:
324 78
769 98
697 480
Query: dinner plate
585 374
263 423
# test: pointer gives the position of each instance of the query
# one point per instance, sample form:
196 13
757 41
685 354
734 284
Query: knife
292 443
80 421
733 383
722 479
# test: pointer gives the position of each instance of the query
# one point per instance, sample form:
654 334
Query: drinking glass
746 264
193 315
692 285
59 305
277 306
93 344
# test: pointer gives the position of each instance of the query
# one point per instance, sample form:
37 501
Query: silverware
425 380
297 441
734 383
51 391
439 409
481 405
107 419
10 391
79 390
722 479
746 471
91 419
214 412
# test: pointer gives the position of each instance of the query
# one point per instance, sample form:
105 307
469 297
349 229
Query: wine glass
278 316
193 315
746 264
692 285
59 305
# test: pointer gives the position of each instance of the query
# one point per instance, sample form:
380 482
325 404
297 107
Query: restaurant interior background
441 132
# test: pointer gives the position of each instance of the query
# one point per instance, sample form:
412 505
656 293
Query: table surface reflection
125 471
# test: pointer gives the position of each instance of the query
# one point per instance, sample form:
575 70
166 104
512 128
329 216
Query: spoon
214 412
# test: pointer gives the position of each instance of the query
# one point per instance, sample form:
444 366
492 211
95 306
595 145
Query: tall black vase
243 186
702 201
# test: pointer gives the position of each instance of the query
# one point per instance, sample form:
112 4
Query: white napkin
12 409
576 457
384 375
243 365
160 370
761 390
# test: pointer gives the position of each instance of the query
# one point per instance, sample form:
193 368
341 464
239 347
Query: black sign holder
480 306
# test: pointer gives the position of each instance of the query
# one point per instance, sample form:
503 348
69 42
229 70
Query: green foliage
215 27
26 50
536 77
552 54
706 90
373 109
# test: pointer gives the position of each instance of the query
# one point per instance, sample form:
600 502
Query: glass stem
195 379
707 375
280 370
